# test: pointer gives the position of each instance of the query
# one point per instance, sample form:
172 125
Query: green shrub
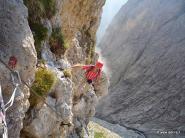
99 135
39 34
39 31
56 42
67 73
66 45
50 8
37 10
44 80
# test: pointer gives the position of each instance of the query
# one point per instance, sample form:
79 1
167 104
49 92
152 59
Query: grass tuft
50 8
57 43
99 135
38 10
44 80
39 34
67 73
99 131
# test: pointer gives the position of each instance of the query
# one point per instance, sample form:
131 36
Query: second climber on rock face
87 78
93 72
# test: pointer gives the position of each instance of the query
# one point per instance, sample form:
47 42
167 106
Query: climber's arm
76 66
87 67
84 67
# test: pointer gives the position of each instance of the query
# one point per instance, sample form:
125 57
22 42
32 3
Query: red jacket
90 74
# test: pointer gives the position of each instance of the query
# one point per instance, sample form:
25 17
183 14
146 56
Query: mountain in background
144 47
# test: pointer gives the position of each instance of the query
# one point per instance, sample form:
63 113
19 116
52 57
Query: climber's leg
89 81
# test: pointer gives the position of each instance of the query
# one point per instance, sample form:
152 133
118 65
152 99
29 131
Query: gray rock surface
43 122
144 47
16 40
40 118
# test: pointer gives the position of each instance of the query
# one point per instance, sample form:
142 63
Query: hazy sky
110 9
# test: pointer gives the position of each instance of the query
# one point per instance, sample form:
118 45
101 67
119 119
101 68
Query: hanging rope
5 107
11 100
3 128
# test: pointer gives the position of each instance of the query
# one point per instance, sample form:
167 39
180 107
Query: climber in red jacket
93 72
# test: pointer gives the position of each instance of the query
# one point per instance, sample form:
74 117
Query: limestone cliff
16 39
144 47
63 34
79 21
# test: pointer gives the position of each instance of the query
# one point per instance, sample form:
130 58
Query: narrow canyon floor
101 129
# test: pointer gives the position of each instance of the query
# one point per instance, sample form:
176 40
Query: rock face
16 40
80 21
81 15
144 47
72 102
51 121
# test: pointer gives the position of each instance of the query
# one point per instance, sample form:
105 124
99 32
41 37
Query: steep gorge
144 47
